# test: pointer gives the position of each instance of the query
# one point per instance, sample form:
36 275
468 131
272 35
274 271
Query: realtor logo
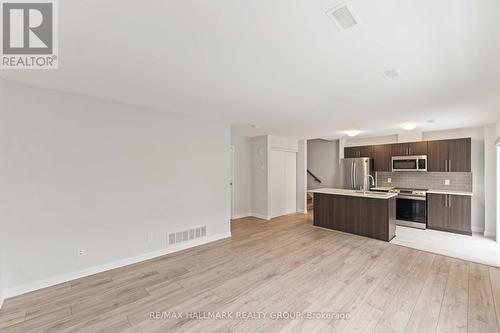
29 34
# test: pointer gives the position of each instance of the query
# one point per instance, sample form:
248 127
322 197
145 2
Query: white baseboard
261 216
477 229
490 234
23 289
240 216
302 211
1 300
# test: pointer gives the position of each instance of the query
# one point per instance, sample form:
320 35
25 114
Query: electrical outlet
81 252
149 237
389 180
447 182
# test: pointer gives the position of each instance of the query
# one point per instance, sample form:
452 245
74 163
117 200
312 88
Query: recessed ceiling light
253 126
352 133
343 16
409 126
391 73
430 121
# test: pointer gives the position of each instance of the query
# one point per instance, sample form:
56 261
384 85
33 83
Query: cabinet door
437 212
459 155
382 157
365 151
323 210
437 155
399 149
460 214
350 152
417 148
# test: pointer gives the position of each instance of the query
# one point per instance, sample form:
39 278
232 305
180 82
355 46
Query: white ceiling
284 65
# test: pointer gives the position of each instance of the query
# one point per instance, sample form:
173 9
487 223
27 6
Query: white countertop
353 193
382 188
452 192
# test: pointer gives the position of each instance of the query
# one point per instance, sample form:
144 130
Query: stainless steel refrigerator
353 172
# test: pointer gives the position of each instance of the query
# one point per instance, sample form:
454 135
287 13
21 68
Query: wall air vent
343 16
186 235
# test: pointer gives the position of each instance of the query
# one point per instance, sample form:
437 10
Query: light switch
389 180
447 182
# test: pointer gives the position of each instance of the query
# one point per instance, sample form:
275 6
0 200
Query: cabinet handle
449 201
449 165
446 201
409 151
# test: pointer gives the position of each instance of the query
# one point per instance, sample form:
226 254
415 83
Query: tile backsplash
459 181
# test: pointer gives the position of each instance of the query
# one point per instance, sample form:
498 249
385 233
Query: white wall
2 234
477 167
378 140
242 182
323 162
260 177
82 172
302 176
490 181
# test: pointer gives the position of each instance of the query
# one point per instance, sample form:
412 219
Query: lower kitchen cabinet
449 213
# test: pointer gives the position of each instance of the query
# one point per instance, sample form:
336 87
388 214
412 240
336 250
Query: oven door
411 211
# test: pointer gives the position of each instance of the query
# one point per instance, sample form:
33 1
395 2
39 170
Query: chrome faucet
367 183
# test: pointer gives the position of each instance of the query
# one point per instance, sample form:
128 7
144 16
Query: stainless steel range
411 207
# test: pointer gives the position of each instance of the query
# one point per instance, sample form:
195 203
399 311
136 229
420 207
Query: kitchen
431 182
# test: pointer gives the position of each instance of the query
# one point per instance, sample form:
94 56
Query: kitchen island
370 214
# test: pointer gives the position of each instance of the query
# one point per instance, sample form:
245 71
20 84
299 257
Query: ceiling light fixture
343 16
352 133
409 126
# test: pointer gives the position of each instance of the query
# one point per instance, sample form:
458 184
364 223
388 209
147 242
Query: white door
283 183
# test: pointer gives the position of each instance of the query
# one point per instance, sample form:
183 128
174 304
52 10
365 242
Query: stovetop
412 191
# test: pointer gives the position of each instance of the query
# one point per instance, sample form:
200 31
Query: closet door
277 183
283 183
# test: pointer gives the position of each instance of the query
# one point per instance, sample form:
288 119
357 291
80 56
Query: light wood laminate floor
282 266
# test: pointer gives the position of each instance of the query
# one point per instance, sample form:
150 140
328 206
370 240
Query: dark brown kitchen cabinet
449 155
459 159
362 151
350 152
437 156
399 149
382 158
448 212
409 149
417 148
369 217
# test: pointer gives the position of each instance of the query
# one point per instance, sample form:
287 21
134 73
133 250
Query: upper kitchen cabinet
362 151
449 155
409 149
437 156
382 157
417 148
459 159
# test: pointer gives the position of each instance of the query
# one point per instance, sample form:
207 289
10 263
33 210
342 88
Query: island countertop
354 193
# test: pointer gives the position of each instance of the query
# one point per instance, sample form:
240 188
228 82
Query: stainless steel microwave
409 163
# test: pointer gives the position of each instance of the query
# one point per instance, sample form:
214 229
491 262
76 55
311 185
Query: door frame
231 180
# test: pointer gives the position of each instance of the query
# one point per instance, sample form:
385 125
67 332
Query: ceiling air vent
391 74
343 16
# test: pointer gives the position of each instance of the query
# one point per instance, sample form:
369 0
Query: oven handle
411 197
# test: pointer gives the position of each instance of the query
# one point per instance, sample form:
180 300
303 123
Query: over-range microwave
409 163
